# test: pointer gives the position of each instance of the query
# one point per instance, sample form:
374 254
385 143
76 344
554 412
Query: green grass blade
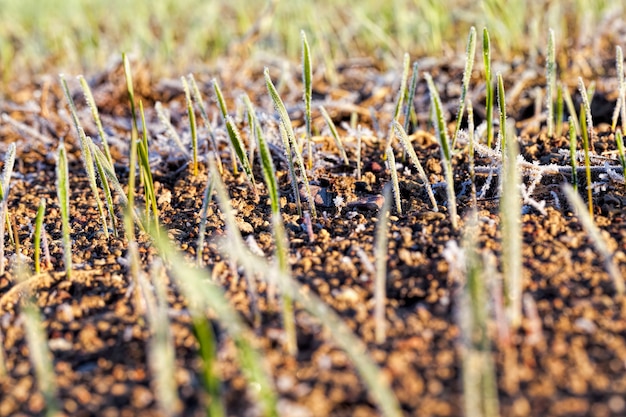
192 125
567 97
307 83
619 141
444 144
404 139
586 127
200 292
134 137
470 133
502 108
411 96
356 350
619 107
221 103
237 144
144 167
63 191
391 160
470 54
572 153
267 164
596 237
551 82
282 257
195 91
399 100
96 117
335 135
41 210
489 86
87 158
559 110
288 128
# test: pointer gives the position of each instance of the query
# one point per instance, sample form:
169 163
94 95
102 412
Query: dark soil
567 359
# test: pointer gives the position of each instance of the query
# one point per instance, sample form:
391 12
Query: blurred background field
175 36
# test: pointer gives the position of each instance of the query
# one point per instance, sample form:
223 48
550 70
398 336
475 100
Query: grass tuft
63 191
470 54
289 140
444 144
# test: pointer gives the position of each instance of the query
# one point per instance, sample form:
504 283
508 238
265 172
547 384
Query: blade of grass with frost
96 117
267 164
192 125
161 349
204 334
470 54
63 191
584 95
572 153
596 237
195 91
9 161
292 170
399 100
470 133
38 230
40 357
411 97
444 145
343 336
511 213
391 160
87 158
134 138
585 137
550 81
221 103
502 108
144 167
567 97
307 78
404 139
619 106
237 144
335 135
169 129
489 86
479 378
206 200
291 139
619 140
381 254
282 257
559 110
108 197
200 292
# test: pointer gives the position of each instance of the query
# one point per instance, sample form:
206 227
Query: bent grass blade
406 143
444 145
335 135
291 138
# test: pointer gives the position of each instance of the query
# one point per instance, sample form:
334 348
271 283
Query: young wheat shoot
285 122
489 85
335 135
444 145
406 143
195 91
470 54
63 191
307 85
